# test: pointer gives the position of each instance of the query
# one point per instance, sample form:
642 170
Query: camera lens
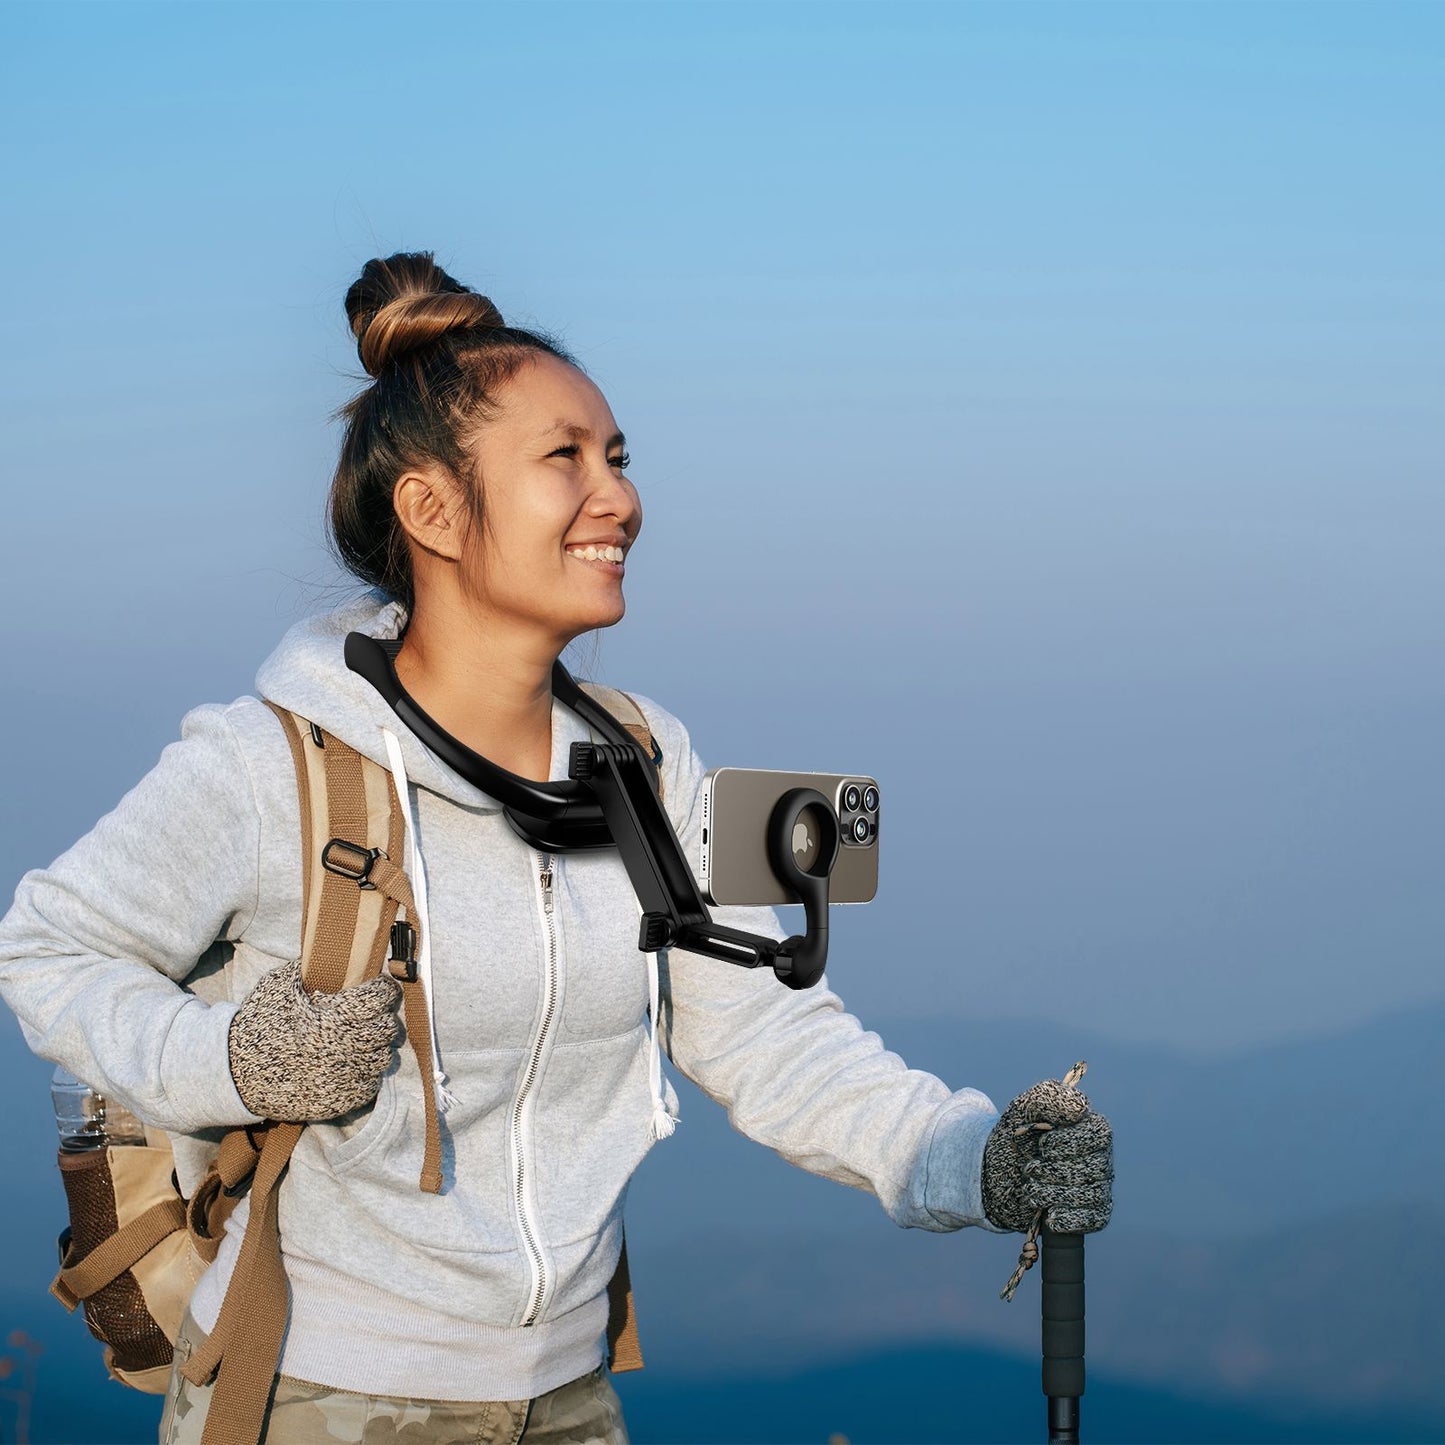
870 799
852 797
860 829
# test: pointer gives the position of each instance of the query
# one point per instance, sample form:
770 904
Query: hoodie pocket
475 1213
346 1144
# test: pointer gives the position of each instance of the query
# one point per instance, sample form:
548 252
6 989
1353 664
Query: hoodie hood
307 673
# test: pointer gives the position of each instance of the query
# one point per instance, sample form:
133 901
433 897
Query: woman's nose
613 495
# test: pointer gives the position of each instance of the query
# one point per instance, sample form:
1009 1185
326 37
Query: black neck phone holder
610 800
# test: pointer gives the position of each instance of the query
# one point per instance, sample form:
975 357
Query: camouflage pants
584 1412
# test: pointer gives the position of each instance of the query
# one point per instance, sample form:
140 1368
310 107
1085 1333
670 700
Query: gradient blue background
1037 406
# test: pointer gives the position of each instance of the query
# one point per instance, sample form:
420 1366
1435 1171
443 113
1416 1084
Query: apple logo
802 840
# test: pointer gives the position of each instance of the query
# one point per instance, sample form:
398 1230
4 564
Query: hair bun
405 302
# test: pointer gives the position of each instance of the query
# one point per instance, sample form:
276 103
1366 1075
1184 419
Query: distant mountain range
1278 1229
1338 1315
900 1396
1272 1273
931 1394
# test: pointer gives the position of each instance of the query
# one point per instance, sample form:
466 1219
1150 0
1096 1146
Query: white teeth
591 554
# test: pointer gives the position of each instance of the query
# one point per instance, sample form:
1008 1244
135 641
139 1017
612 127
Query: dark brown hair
437 352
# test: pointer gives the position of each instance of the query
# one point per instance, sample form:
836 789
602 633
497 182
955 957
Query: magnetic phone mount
611 799
673 912
806 955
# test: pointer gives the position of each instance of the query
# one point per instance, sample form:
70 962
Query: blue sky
1036 406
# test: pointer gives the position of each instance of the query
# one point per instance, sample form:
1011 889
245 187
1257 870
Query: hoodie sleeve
93 951
798 1073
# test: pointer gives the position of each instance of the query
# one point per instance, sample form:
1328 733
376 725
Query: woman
482 493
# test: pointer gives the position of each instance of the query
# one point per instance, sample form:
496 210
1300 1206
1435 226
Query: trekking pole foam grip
1063 1314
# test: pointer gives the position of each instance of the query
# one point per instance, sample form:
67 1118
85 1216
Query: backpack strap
352 827
624 1348
350 920
627 713
244 1349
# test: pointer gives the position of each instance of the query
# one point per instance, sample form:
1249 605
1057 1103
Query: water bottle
87 1120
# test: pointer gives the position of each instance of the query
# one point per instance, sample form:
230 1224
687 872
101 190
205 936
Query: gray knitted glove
297 1056
1066 1168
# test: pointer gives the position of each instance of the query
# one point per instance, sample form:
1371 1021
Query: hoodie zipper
522 1111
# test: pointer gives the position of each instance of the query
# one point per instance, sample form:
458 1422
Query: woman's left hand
1049 1151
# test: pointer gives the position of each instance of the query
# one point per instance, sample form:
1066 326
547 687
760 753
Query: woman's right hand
299 1057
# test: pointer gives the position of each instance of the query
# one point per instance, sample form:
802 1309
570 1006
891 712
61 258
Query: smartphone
736 806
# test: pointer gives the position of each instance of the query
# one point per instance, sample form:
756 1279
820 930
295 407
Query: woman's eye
571 449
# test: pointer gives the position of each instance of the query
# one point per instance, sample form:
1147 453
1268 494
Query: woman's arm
800 1074
94 948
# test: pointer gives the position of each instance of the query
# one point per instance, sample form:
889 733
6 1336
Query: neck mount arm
610 800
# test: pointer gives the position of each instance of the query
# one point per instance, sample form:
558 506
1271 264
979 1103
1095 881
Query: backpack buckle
350 860
402 963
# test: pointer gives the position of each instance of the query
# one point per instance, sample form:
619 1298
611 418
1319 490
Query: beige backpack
136 1247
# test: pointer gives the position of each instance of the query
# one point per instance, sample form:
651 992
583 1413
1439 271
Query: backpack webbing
347 921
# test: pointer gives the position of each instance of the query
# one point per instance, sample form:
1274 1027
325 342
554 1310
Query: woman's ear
430 508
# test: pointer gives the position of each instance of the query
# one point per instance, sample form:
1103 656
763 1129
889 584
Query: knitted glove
297 1056
1049 1151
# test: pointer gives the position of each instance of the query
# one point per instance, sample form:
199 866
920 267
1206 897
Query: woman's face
550 465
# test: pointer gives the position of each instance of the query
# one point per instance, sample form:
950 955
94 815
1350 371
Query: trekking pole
1063 1332
1063 1320
1062 1309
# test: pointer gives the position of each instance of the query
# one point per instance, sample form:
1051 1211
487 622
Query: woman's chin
611 616
596 622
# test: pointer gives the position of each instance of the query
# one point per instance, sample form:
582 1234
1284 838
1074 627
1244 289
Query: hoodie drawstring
664 1120
416 871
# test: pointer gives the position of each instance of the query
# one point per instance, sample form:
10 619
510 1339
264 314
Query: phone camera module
857 814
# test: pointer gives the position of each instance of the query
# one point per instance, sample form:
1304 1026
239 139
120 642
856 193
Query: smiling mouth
596 557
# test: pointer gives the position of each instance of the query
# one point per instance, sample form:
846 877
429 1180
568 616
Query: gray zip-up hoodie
127 959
